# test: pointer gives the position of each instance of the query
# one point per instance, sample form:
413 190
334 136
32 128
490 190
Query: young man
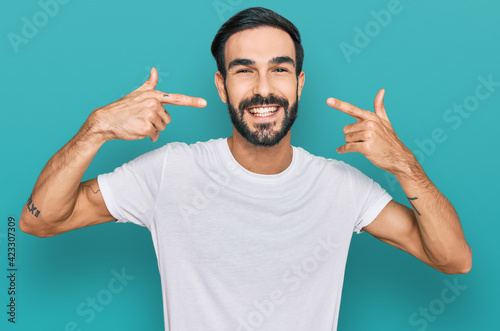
249 231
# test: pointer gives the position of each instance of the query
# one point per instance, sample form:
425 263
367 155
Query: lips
263 111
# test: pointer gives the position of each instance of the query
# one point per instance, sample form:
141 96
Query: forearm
55 192
440 230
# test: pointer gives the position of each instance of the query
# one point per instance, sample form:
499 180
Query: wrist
94 131
409 170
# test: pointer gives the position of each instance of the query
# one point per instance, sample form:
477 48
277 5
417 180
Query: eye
243 71
281 70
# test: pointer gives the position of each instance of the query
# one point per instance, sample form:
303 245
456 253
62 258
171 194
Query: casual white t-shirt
238 250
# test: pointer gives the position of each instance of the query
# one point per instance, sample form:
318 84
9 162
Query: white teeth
263 111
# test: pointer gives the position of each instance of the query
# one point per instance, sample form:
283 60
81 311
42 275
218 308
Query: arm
59 202
432 231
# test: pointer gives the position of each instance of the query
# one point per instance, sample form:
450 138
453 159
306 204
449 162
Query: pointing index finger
349 109
180 100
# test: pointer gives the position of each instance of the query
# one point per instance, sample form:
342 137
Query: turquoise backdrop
438 61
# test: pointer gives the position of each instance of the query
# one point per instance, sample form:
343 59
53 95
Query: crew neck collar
233 165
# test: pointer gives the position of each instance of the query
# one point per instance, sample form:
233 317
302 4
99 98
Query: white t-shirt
238 250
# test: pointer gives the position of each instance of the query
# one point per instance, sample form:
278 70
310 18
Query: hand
139 114
373 136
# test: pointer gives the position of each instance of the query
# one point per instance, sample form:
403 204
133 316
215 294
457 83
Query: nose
263 86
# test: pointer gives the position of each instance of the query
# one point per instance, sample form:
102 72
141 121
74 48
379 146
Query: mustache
258 100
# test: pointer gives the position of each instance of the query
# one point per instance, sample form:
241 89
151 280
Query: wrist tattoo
413 206
95 192
31 207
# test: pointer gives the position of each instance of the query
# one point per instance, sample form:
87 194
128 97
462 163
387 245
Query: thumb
150 84
379 105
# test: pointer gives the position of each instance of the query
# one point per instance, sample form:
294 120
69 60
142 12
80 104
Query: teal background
90 53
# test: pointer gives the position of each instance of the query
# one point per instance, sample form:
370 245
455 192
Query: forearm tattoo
413 206
31 207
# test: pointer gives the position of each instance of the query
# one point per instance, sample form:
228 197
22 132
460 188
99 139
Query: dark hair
252 18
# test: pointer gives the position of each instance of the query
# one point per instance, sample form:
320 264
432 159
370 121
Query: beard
264 134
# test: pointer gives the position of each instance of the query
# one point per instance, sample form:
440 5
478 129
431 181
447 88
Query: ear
219 83
300 83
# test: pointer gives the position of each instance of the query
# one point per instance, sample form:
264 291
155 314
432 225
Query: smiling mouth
263 111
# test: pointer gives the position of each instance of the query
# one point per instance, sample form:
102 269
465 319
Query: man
266 247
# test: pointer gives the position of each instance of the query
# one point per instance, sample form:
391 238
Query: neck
258 159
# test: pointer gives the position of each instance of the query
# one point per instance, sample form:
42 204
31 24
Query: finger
158 123
360 126
164 115
379 105
349 109
350 147
358 136
155 135
152 132
179 99
150 84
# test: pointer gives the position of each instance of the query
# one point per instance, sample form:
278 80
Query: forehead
260 44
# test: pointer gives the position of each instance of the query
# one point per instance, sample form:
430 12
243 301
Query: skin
63 201
432 231
433 235
264 79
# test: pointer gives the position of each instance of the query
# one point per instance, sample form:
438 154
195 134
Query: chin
263 134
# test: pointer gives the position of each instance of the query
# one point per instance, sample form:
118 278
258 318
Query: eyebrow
282 59
274 60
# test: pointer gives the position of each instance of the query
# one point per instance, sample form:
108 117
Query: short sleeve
369 196
130 191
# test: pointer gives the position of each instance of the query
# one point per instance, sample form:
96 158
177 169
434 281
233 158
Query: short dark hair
252 18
